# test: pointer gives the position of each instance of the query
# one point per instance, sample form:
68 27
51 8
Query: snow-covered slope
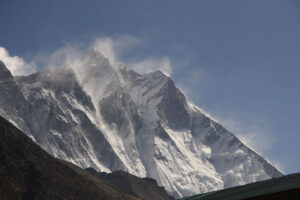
13 105
112 118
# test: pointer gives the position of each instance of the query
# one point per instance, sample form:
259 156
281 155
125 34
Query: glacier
107 117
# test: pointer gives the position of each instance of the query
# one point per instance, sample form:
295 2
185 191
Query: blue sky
238 60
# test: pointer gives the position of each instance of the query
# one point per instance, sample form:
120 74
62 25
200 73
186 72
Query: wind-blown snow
110 118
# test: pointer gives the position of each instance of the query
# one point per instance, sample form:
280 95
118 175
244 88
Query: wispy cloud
254 133
149 65
191 81
114 47
71 53
17 65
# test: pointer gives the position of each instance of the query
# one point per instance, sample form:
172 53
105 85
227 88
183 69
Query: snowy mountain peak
94 60
113 118
5 74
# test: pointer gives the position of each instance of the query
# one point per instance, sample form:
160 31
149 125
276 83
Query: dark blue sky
238 60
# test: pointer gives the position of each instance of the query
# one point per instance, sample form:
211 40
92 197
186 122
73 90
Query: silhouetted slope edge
283 188
144 188
28 172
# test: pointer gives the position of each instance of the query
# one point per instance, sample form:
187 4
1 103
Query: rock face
13 105
111 118
143 188
28 172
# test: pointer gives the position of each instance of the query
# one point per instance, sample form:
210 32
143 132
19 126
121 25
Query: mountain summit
112 118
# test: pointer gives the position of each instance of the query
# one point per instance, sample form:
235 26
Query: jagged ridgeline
112 118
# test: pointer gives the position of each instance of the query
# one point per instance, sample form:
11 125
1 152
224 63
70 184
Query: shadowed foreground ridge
145 188
28 172
283 188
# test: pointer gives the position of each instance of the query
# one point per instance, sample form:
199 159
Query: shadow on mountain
144 188
28 172
282 188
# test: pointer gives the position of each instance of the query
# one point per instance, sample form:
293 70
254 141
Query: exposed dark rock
144 188
27 172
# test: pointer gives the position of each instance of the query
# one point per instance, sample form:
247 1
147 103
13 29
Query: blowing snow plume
16 64
96 114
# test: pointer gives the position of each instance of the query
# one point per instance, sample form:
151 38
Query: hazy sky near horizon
238 60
